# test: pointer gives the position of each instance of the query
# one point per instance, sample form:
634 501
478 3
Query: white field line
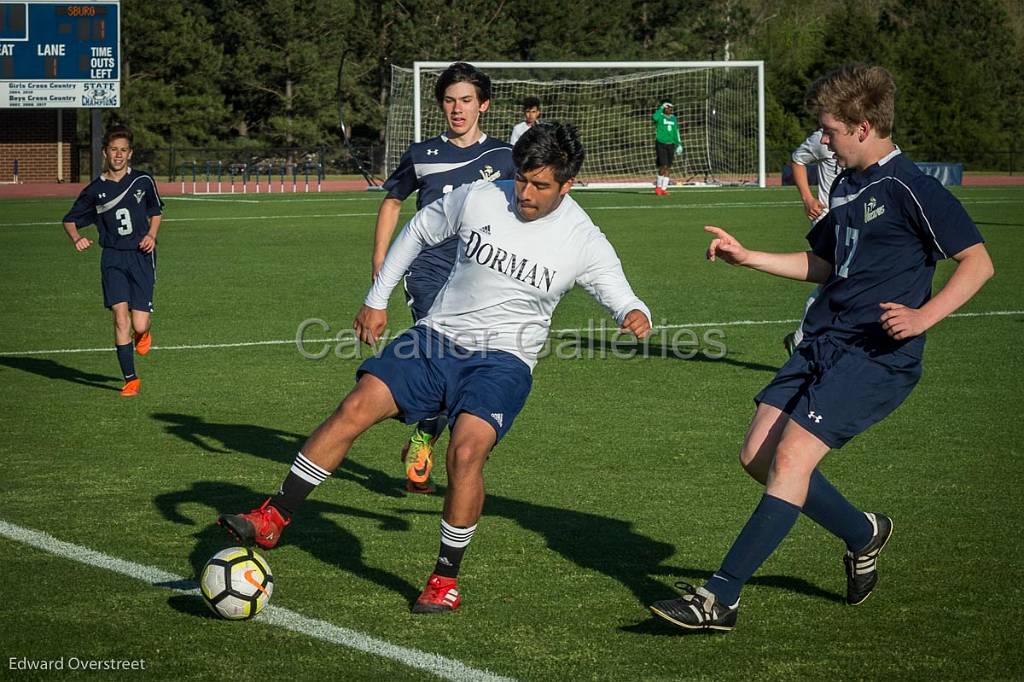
445 668
226 200
663 207
571 330
238 197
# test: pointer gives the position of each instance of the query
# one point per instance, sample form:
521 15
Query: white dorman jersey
517 132
813 151
510 273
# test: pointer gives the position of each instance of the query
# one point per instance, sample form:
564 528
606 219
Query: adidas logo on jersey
870 210
486 229
498 417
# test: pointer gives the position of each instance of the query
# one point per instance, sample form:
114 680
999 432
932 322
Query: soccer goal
720 106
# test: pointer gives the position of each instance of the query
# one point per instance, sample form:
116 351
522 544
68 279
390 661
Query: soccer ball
236 583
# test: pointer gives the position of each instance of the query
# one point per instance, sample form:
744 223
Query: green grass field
619 478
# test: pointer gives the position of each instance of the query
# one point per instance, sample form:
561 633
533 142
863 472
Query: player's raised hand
901 322
813 208
369 324
636 323
725 246
82 243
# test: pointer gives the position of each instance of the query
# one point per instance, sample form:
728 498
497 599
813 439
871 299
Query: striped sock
303 478
453 546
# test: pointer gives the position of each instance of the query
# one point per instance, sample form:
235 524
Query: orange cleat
143 342
131 388
419 465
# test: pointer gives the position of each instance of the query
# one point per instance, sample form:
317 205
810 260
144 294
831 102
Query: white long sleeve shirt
813 150
517 132
510 273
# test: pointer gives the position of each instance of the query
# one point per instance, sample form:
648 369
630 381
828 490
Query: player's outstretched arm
812 207
387 220
973 269
81 243
636 323
799 265
369 324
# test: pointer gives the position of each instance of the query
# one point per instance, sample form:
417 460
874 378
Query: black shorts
837 391
666 153
128 277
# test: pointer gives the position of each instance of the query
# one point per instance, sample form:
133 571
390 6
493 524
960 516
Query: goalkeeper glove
679 149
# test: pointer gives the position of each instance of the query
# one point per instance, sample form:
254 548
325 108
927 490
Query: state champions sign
60 54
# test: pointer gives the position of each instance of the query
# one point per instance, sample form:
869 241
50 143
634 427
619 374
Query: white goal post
720 106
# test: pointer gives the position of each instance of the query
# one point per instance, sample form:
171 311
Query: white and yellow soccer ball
236 583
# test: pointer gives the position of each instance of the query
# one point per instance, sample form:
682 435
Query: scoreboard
60 54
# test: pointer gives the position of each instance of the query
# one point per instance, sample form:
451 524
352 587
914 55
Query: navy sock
126 358
433 426
768 525
827 507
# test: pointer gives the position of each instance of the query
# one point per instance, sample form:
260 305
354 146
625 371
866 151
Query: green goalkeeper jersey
667 126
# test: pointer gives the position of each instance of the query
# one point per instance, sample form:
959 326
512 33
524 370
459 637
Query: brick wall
30 136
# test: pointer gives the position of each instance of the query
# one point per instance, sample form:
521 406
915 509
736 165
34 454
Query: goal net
720 106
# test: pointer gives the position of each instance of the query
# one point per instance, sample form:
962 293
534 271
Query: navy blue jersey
120 210
886 228
435 167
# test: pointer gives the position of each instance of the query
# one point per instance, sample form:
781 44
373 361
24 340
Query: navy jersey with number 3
886 228
120 210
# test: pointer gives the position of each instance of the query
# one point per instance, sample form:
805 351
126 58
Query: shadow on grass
655 626
273 444
599 543
320 533
191 605
54 370
573 345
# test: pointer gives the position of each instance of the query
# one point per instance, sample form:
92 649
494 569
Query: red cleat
131 388
439 596
660 192
143 342
262 526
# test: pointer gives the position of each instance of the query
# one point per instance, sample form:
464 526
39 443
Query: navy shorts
837 391
429 375
128 277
